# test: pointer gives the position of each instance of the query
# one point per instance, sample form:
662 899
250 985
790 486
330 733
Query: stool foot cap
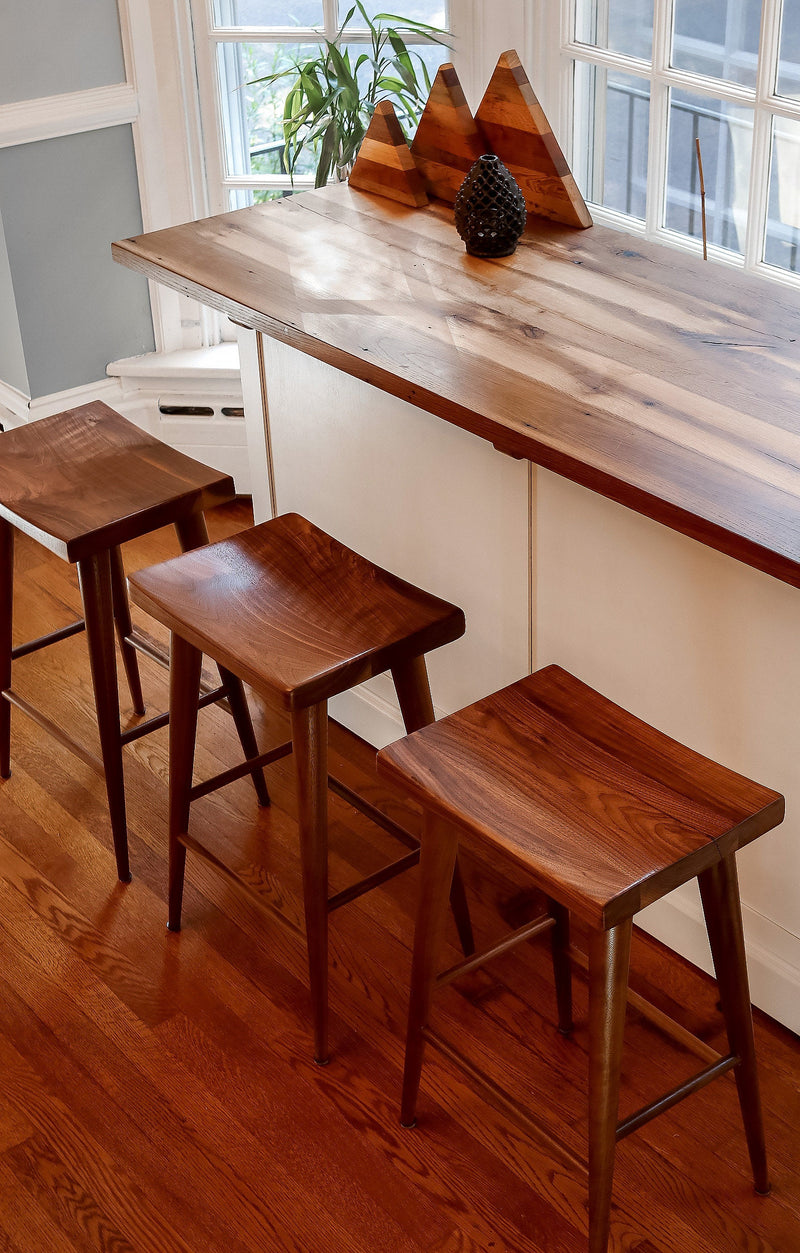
763 1191
125 878
322 1061
409 1126
170 927
566 1031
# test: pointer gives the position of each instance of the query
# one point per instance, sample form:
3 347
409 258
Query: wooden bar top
665 383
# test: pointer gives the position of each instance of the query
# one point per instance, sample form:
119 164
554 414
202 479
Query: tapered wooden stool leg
437 862
94 574
192 532
244 727
719 889
609 960
562 965
185 664
6 615
416 705
124 626
310 743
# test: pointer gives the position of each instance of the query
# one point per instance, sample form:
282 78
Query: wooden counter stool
82 483
302 618
608 815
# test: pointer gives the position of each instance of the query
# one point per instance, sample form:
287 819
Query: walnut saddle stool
81 483
607 815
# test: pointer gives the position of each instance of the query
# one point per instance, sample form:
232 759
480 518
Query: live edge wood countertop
665 383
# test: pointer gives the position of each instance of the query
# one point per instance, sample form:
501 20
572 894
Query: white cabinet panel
430 502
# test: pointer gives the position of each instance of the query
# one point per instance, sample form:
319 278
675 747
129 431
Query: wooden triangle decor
384 164
517 131
447 142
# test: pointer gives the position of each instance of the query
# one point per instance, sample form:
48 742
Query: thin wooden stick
702 197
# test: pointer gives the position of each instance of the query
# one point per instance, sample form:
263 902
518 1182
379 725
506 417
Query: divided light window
237 41
647 77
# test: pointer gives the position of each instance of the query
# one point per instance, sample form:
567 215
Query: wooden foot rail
188 841
369 811
508 1105
663 1103
658 1018
526 932
44 641
66 741
373 881
239 772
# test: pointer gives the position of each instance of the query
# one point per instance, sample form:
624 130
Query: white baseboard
773 953
16 408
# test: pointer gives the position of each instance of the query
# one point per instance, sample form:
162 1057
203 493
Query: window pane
243 197
268 13
621 25
253 112
783 219
611 143
430 11
718 37
789 66
726 134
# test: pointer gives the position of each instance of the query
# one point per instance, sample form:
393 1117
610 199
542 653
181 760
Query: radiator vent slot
187 411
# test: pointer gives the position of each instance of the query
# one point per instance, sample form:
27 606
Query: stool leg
185 663
244 727
6 614
562 965
192 532
609 959
719 890
94 575
414 695
124 626
310 744
437 862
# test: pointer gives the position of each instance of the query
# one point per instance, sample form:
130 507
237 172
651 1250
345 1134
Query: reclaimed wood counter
663 383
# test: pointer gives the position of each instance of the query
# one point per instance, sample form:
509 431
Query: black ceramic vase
490 209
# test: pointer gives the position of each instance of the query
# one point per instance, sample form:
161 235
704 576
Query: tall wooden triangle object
447 142
517 131
384 164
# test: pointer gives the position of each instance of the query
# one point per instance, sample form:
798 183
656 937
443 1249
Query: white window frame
558 25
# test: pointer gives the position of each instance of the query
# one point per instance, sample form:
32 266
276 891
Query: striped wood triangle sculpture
517 131
384 164
510 122
447 142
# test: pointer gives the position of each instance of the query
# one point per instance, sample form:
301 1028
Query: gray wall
12 357
53 46
62 203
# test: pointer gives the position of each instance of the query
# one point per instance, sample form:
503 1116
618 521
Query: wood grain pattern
447 141
606 813
174 1069
384 164
516 129
615 362
332 618
87 480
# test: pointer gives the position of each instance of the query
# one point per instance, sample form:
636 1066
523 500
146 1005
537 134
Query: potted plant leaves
332 94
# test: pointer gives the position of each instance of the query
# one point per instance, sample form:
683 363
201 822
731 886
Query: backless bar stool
82 483
302 618
607 815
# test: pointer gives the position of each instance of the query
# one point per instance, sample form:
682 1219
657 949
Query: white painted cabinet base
706 649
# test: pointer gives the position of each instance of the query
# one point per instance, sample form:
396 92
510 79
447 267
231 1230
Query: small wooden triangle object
517 131
384 164
447 142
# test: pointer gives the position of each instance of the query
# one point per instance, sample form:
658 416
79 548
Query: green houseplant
333 94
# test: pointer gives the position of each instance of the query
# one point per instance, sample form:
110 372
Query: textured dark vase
490 209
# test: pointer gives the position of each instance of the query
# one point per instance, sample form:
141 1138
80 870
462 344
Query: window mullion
762 132
659 116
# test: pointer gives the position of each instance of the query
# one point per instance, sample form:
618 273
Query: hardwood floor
157 1092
